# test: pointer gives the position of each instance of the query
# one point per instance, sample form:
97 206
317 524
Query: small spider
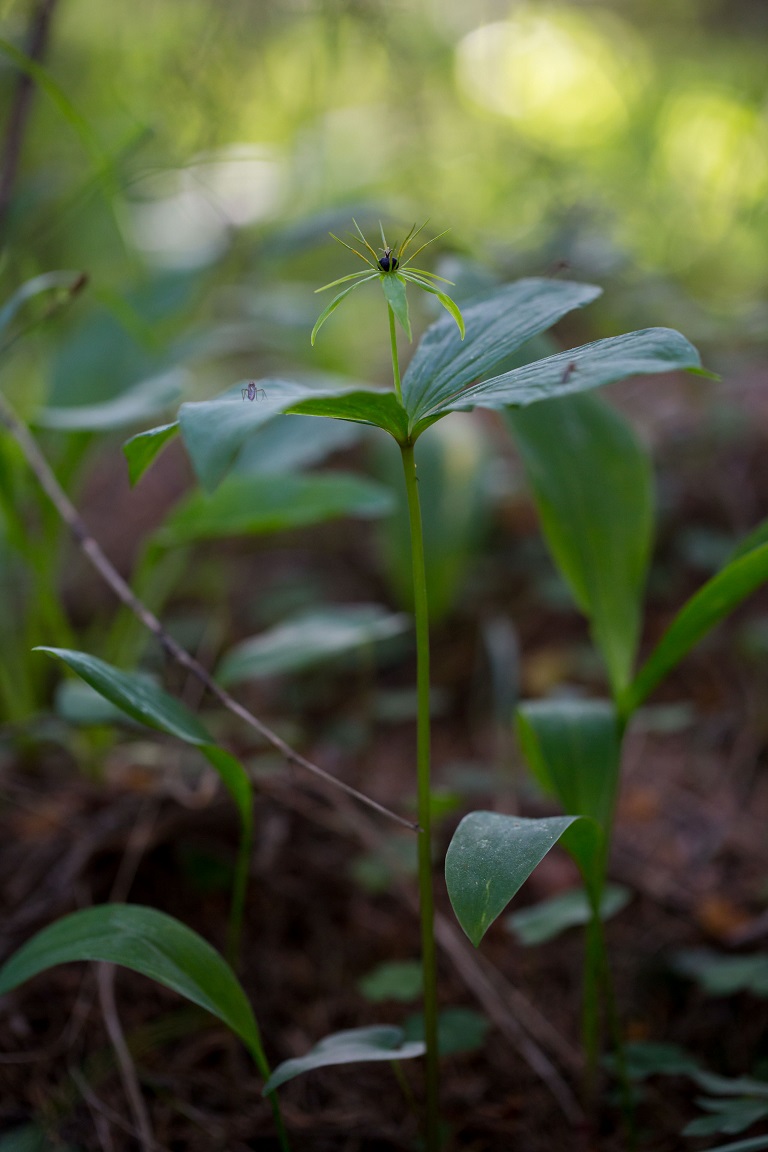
253 392
569 370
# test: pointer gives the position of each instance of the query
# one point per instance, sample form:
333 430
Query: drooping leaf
593 485
308 639
489 859
138 403
573 748
706 608
135 694
143 448
548 919
214 431
397 298
581 369
353 1046
379 409
258 505
149 942
443 364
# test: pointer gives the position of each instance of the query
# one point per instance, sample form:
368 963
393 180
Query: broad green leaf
47 282
143 449
724 975
641 353
706 608
149 942
214 431
258 505
443 364
380 409
593 485
354 1046
548 919
138 403
573 748
397 298
309 639
458 1030
135 694
78 703
489 859
397 980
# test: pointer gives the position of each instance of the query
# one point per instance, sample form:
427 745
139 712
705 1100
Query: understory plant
592 482
451 370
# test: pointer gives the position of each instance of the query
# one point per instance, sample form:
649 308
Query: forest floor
85 819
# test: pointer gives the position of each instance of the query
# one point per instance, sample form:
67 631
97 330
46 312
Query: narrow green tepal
492 855
592 481
146 941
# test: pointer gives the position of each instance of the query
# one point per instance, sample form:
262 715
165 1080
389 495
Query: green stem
260 1059
426 895
393 346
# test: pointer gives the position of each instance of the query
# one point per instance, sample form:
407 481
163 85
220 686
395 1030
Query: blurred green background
191 157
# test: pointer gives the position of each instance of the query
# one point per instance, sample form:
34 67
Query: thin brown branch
21 106
90 547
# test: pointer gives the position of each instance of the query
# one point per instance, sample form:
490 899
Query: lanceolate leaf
354 1046
593 485
136 696
573 748
148 942
711 604
443 364
578 370
489 859
257 505
308 639
141 450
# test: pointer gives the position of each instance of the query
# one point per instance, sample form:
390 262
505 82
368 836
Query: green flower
394 272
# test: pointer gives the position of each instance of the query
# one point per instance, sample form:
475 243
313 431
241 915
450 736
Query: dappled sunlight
713 150
565 78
